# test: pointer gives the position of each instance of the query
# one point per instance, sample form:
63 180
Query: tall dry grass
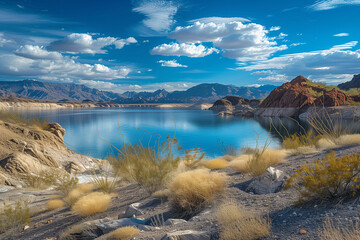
236 223
92 203
124 233
217 163
190 191
332 232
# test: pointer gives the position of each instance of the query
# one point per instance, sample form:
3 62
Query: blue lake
86 129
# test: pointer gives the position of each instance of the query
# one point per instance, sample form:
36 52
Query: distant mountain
354 83
55 91
207 92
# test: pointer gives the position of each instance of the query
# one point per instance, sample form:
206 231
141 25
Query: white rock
174 221
133 210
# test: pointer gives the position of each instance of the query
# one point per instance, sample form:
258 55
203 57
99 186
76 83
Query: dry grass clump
297 140
217 163
37 123
14 215
55 204
327 179
191 191
82 230
332 232
92 203
79 191
238 224
257 163
344 140
148 166
124 233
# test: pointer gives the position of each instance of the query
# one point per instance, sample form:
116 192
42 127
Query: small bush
191 159
297 140
14 215
217 163
191 191
124 233
77 192
330 178
227 149
237 224
55 204
257 163
331 232
90 204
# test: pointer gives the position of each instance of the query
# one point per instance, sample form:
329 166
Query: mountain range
206 92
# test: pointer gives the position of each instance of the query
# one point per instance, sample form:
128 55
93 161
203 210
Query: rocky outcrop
354 83
235 105
293 98
27 151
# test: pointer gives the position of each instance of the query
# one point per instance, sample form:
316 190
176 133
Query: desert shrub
39 123
148 166
192 158
65 182
257 163
77 192
124 233
332 232
298 140
55 204
191 191
235 223
330 178
217 163
227 149
92 203
16 118
14 215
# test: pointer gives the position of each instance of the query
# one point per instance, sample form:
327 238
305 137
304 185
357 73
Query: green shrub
14 215
330 178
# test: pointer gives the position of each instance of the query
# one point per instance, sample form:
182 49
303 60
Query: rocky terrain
299 97
234 105
26 150
133 206
354 83
202 93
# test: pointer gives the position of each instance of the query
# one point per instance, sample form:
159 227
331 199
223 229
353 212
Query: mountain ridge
205 92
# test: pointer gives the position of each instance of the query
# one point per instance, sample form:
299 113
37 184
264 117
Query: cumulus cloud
333 64
321 5
341 35
244 42
219 20
85 43
171 63
159 14
274 28
37 52
183 49
35 61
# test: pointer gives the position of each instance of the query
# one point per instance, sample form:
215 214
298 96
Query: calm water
85 129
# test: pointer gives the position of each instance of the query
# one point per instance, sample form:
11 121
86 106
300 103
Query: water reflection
194 128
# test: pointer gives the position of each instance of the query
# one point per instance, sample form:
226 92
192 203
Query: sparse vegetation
327 179
14 215
92 203
77 192
217 163
191 191
227 149
238 224
191 158
32 122
298 140
55 204
124 233
332 232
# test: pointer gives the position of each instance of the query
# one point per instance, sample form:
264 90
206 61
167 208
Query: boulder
110 226
174 221
56 129
133 210
272 181
187 235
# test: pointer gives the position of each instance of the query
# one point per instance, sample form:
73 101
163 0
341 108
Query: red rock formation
333 98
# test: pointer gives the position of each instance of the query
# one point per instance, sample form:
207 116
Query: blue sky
144 45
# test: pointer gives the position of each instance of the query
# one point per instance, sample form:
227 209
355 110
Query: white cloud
85 43
218 20
3 40
183 49
244 42
34 61
321 5
37 52
275 78
171 63
282 35
159 14
341 35
330 64
274 28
